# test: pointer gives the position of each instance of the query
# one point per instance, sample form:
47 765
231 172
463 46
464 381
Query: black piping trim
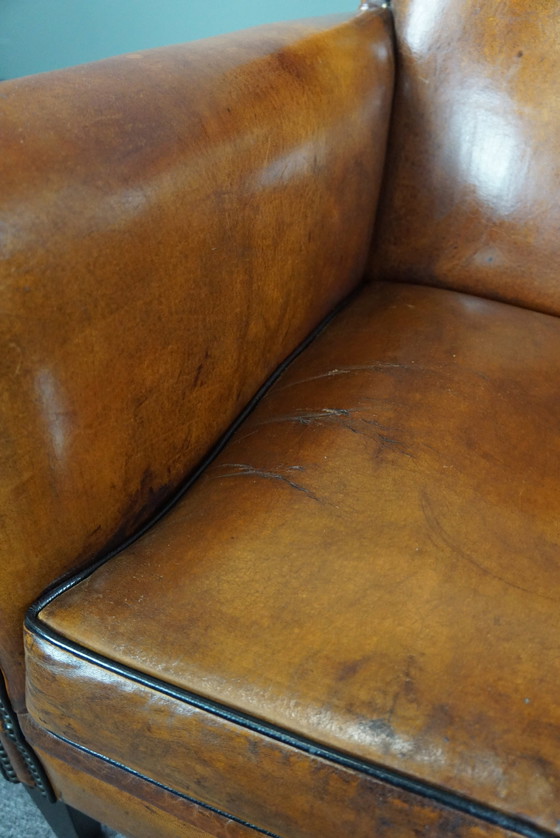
66 583
139 776
33 623
392 777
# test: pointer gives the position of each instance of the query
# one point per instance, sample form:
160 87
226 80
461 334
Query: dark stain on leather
350 669
293 64
142 505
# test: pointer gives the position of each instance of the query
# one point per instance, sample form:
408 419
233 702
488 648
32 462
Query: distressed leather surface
371 563
247 775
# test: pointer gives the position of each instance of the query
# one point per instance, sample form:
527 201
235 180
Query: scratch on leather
437 528
243 469
343 418
307 417
375 367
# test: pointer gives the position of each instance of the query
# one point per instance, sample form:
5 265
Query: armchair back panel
173 224
472 190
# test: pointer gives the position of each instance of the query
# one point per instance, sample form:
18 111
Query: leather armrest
174 223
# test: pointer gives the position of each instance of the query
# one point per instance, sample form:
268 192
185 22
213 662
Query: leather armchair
279 450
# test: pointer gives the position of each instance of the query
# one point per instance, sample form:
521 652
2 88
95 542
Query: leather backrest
173 224
472 192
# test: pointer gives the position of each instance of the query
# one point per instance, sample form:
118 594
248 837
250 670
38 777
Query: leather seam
146 779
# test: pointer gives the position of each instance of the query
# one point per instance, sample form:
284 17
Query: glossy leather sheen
173 224
471 193
383 581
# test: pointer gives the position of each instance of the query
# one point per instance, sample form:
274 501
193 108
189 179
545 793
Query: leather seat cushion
361 589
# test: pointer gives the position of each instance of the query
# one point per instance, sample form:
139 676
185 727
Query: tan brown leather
244 773
173 222
131 805
135 806
471 193
371 563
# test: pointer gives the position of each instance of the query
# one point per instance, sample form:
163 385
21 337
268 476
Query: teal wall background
39 35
